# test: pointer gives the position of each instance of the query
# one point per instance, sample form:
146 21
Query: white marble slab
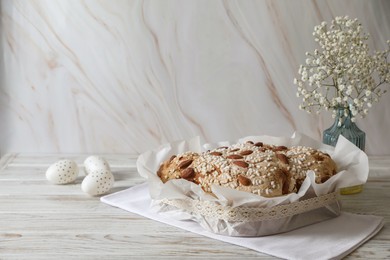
126 76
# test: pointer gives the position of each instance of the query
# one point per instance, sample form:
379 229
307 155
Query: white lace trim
250 214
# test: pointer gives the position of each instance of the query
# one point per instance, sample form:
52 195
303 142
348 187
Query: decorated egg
62 172
93 163
98 182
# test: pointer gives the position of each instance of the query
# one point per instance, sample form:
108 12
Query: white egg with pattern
62 172
94 162
98 182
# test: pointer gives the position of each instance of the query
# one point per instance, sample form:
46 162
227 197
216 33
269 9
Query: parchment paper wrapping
352 166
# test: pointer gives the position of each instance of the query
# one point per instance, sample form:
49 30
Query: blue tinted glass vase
344 126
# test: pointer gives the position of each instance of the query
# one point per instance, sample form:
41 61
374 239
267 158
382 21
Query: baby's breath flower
342 73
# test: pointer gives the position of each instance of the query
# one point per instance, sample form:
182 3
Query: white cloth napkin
331 239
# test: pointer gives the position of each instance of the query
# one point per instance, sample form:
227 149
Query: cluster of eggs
98 178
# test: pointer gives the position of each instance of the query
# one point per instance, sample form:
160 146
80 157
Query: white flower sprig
342 74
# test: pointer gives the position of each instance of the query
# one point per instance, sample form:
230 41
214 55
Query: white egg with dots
94 162
62 172
98 182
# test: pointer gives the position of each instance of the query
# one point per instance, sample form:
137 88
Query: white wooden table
39 220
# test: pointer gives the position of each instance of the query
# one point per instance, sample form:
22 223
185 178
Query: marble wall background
126 76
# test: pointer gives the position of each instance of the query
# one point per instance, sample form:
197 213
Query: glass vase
344 126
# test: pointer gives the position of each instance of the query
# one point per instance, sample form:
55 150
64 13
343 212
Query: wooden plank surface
39 220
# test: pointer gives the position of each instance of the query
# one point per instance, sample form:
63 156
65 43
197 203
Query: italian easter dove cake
262 169
252 186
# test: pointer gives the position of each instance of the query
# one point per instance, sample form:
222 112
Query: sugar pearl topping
262 169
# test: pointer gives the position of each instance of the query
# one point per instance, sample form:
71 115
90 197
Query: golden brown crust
266 170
